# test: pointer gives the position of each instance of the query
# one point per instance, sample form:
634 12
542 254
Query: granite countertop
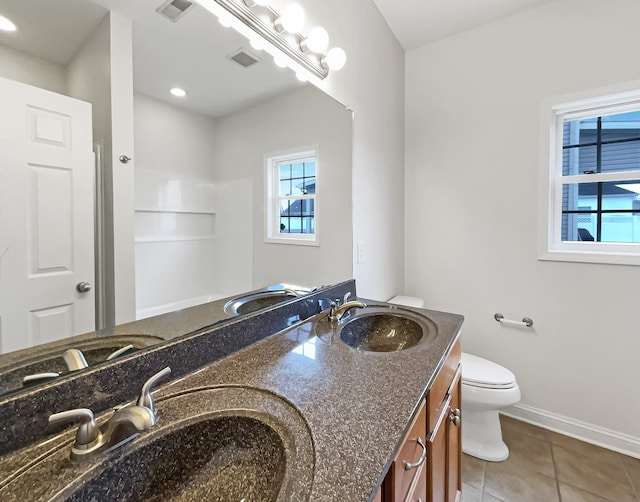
358 405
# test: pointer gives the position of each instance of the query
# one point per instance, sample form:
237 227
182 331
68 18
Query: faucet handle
121 351
88 430
75 360
145 398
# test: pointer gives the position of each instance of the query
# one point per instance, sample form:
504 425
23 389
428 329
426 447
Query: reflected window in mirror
291 198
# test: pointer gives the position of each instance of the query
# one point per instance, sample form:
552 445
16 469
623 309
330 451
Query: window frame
554 112
273 199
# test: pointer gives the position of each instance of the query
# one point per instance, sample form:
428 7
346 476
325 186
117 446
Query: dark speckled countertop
357 405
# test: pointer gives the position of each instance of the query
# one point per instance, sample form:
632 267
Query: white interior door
46 216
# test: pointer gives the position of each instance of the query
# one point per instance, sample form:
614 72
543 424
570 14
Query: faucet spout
338 312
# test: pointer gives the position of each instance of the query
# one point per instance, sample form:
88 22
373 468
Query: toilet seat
484 374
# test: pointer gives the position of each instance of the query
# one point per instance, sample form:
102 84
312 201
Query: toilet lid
480 372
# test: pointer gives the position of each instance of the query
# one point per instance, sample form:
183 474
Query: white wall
89 79
102 74
176 208
472 150
121 47
372 85
303 118
22 67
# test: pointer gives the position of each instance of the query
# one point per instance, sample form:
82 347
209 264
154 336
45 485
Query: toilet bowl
487 387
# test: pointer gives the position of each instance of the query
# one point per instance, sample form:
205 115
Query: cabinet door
437 459
454 443
444 468
400 480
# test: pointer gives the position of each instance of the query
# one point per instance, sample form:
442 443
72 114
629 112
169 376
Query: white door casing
46 216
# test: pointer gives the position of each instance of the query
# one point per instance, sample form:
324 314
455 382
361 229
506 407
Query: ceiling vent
243 57
174 9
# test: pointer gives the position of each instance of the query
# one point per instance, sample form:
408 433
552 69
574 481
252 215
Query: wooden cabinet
433 445
408 467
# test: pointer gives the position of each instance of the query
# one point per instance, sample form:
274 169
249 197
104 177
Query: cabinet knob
455 416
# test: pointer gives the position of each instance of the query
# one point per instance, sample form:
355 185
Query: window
291 198
592 190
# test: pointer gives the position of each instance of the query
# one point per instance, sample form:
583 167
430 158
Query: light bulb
317 40
179 93
335 58
6 24
302 77
280 61
291 19
225 21
256 44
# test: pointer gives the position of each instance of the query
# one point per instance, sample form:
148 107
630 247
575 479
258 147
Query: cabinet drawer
442 385
410 452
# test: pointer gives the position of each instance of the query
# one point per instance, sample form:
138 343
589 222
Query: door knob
83 287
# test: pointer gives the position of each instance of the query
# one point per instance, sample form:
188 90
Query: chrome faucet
123 426
74 360
337 312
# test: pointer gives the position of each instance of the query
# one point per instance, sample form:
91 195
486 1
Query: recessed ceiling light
6 24
180 93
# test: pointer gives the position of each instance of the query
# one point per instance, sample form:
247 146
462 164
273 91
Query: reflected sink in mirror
222 444
51 361
387 329
257 301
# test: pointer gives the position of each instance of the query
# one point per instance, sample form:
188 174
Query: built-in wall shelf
142 210
158 191
172 209
169 226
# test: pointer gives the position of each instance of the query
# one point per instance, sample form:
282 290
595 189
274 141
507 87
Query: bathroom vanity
434 439
317 409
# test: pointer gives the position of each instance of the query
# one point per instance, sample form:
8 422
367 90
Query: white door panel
46 216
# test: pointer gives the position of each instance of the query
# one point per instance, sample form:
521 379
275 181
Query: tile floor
547 467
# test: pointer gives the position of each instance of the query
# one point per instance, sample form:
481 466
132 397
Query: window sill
292 241
607 258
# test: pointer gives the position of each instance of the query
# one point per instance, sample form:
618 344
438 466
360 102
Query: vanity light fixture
6 24
177 92
279 35
253 3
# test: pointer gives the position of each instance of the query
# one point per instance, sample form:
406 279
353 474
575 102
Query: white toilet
487 387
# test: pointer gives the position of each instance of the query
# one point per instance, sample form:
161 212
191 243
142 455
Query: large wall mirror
199 163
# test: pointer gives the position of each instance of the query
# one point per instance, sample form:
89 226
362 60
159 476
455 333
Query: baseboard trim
589 433
171 307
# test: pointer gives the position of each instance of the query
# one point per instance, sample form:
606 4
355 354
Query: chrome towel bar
526 322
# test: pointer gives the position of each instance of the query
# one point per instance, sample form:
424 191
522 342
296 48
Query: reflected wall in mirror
183 221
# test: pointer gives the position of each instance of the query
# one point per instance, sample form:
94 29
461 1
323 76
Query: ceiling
190 53
419 22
